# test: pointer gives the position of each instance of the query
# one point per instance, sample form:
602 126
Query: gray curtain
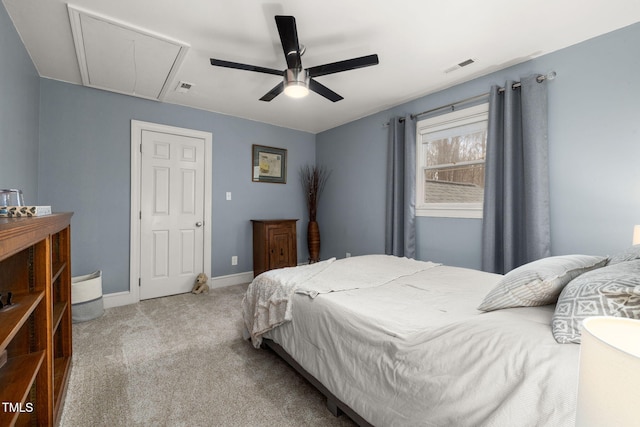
516 225
400 228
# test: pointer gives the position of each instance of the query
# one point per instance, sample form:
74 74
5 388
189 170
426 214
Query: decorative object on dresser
10 197
35 329
18 211
274 244
314 179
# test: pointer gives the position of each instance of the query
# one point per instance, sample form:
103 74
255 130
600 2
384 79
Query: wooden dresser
274 244
35 330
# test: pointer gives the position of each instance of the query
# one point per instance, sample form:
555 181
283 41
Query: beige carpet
181 361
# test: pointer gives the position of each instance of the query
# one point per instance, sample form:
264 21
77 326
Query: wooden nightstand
274 244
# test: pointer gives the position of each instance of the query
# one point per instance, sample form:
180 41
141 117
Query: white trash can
86 297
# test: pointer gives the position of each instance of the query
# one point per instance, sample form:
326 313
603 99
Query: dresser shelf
17 376
14 317
59 309
35 330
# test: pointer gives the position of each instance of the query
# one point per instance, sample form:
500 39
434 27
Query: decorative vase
313 241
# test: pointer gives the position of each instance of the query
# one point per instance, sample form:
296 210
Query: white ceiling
416 41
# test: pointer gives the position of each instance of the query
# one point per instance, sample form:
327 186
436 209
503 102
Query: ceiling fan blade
321 89
273 92
289 39
238 66
337 67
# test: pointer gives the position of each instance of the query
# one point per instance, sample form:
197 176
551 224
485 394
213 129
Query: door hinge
141 148
140 214
139 282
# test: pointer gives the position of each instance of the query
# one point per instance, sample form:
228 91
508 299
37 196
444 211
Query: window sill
450 211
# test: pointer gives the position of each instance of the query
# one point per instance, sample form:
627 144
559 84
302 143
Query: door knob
199 224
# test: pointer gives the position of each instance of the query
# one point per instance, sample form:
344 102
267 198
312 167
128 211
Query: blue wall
85 167
74 141
594 149
19 100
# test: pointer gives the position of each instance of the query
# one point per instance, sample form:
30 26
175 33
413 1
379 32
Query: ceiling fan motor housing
296 82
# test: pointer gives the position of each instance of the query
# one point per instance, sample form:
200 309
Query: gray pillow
628 255
613 290
538 282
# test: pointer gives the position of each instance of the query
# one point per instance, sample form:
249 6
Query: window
450 156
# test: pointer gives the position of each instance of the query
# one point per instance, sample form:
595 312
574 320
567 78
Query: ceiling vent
184 87
122 58
460 65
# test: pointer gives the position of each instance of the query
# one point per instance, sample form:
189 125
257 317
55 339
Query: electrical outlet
234 260
348 254
228 195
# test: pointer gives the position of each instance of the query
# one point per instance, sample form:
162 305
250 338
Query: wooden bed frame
335 405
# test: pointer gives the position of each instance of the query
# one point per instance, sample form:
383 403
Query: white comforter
415 351
267 302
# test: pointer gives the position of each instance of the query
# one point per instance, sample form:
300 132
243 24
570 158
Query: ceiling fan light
296 83
296 90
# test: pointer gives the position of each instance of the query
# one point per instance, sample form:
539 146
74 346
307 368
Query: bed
398 342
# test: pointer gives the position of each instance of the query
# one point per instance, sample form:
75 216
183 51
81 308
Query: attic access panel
118 57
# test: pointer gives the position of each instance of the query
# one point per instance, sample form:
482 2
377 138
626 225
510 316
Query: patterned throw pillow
613 290
538 282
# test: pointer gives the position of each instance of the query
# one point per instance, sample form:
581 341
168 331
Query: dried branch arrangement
313 178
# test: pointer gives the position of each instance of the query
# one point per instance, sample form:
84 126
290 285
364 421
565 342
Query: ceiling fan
297 81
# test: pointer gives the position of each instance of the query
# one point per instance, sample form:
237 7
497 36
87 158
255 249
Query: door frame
137 127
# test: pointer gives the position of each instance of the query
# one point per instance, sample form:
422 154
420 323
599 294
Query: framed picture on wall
269 164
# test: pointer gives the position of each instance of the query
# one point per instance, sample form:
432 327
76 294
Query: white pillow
539 282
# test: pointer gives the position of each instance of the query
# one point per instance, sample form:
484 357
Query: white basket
86 297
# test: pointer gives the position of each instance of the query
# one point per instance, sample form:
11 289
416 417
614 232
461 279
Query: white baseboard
118 299
231 279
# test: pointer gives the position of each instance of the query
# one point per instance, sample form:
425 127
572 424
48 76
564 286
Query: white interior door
171 213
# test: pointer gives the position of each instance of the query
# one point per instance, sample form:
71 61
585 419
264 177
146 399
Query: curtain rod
452 106
550 76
